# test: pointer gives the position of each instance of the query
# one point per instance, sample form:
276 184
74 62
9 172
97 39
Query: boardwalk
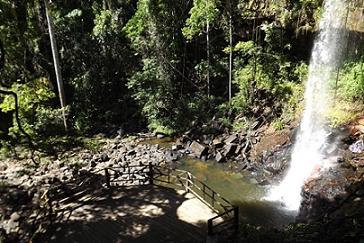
144 214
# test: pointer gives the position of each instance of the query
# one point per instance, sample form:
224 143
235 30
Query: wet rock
357 147
219 157
217 143
160 135
171 156
230 149
238 150
324 193
231 139
198 149
14 217
176 147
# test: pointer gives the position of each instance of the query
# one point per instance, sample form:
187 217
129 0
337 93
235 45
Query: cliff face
355 27
355 21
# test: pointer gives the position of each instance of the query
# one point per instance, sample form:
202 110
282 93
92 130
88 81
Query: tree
155 33
202 14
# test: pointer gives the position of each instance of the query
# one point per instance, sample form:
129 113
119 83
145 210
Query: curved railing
226 221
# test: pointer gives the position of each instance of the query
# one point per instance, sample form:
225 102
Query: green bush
351 82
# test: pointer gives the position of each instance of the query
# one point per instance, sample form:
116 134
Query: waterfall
307 155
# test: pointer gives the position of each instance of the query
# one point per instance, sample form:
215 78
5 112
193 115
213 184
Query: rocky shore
263 152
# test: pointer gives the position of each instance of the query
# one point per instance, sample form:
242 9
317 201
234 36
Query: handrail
211 227
230 214
149 174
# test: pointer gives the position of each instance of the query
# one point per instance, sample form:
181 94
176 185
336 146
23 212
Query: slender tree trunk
56 63
208 56
231 51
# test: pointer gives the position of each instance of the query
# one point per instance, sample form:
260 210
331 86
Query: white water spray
312 136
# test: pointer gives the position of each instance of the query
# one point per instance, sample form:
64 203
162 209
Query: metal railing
226 220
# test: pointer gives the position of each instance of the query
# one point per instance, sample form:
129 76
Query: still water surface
241 190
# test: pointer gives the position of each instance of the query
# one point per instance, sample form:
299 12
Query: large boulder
230 149
198 149
219 158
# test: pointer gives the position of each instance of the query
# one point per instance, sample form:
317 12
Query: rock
104 157
183 140
171 156
238 149
355 130
357 199
93 164
231 139
219 158
177 147
204 157
217 143
3 167
131 152
14 217
198 149
254 140
61 164
360 121
255 125
230 149
160 135
357 147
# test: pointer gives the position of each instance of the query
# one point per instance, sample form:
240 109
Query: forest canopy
162 65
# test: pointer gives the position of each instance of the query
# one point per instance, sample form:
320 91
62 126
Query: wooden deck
144 214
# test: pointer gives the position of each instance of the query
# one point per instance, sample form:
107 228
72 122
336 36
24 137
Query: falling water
312 137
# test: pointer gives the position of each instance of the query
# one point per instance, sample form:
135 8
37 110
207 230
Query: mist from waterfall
308 152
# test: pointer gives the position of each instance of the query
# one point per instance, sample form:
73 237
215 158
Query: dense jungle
97 97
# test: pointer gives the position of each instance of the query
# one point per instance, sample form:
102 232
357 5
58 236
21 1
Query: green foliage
348 91
351 82
137 64
37 116
343 112
278 124
136 25
201 12
158 85
244 47
240 125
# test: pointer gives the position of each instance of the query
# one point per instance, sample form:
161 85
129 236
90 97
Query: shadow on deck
129 214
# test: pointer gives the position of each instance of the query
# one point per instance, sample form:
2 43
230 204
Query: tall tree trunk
208 55
231 49
56 63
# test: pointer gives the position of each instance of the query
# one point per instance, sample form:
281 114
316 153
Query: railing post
204 191
236 220
209 227
188 182
151 173
213 199
107 178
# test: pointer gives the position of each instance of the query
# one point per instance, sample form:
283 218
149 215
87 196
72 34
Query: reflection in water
241 190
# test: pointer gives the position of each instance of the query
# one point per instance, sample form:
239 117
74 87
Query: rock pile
221 148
